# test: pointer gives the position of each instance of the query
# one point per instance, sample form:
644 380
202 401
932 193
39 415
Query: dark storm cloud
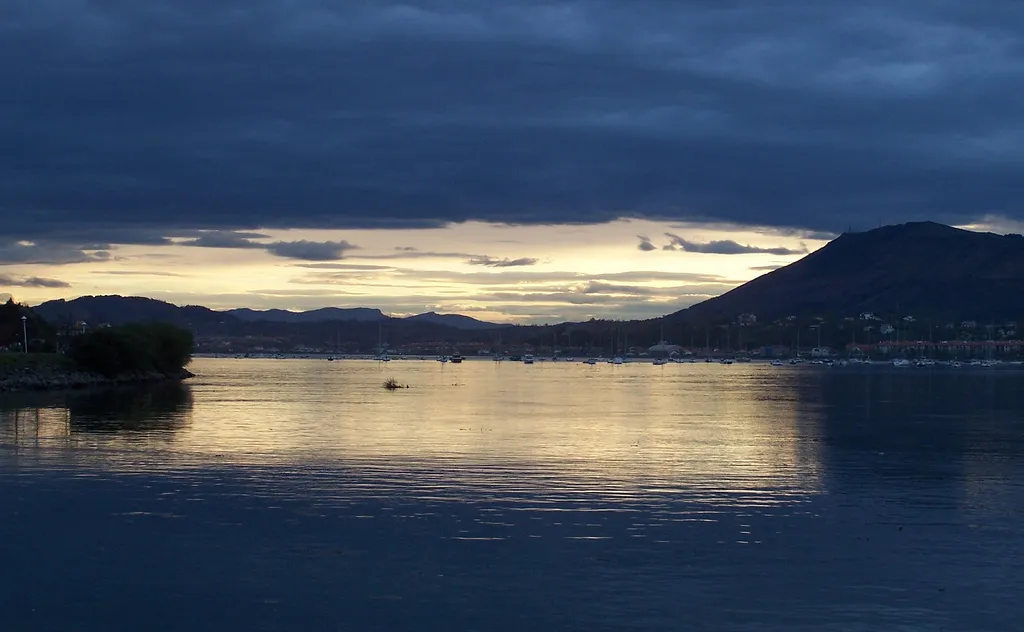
726 247
310 250
303 249
493 262
22 281
148 118
46 252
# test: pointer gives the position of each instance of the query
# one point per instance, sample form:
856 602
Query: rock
27 379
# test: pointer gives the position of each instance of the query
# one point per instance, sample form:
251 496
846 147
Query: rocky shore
46 378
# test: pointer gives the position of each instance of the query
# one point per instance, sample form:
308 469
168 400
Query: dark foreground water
300 495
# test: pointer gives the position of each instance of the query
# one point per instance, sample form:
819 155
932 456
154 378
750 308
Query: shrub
112 351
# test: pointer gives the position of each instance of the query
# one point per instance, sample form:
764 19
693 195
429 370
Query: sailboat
382 350
498 357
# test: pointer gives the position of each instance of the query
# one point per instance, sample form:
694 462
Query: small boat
726 361
528 359
617 360
442 359
456 358
777 363
660 361
590 361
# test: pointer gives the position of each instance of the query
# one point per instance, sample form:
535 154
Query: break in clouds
147 120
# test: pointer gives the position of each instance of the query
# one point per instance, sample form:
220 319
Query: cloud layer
493 262
727 247
7 280
161 116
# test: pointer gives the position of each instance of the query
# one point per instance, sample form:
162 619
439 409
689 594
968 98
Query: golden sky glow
571 272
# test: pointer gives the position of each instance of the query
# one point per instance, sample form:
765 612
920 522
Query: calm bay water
300 495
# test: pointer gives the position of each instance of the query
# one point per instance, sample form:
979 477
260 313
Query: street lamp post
24 333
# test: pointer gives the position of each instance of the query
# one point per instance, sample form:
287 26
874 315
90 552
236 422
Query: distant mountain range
325 314
923 269
117 310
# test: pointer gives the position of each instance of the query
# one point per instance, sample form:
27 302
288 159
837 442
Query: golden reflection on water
637 429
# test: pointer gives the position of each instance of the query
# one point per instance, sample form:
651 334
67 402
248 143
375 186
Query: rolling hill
457 321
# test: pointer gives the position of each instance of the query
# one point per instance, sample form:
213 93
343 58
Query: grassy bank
15 363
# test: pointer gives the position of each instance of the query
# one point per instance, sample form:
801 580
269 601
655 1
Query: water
300 495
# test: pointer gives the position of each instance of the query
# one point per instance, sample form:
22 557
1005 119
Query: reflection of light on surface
628 432
36 425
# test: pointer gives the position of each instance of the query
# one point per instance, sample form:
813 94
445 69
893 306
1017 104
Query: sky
524 160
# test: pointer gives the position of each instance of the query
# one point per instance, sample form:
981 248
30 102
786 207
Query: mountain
923 269
118 310
323 315
354 330
457 321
